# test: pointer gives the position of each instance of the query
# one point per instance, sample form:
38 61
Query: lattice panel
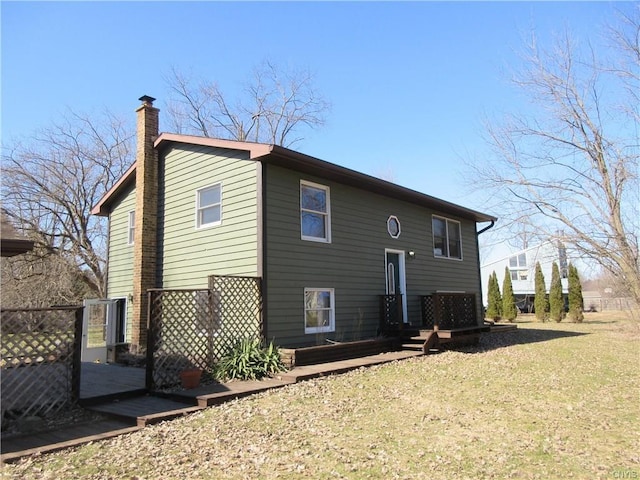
391 306
181 331
195 328
454 310
428 315
237 308
37 361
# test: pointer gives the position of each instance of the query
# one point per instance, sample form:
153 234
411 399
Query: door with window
99 328
395 277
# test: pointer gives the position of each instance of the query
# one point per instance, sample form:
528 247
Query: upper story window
315 212
518 261
518 267
209 206
393 226
319 310
447 239
131 230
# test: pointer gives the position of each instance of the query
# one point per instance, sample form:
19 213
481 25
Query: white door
396 280
97 326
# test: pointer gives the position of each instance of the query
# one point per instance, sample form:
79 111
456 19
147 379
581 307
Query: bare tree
568 167
275 107
39 279
51 180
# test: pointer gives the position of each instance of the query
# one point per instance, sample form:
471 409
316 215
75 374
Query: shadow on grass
521 336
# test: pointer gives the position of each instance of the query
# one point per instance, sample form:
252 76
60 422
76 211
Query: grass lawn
548 401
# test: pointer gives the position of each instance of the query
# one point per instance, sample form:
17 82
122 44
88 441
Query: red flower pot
190 378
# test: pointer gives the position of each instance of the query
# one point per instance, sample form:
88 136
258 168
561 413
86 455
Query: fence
600 304
449 310
195 328
40 361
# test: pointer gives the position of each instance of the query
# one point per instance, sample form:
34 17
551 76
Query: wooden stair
432 341
425 341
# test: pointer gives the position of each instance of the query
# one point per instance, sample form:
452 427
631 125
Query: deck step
145 410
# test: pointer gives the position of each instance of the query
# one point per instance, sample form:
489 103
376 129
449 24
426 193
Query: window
519 274
393 226
319 310
564 264
518 261
518 267
209 206
315 221
447 240
131 231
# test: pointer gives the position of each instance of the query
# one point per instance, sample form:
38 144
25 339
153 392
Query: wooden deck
131 414
101 379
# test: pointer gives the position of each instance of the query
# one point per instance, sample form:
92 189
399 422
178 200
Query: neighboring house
327 241
11 242
522 269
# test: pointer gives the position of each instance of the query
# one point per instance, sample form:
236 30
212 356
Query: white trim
403 278
327 214
446 225
131 227
199 208
332 311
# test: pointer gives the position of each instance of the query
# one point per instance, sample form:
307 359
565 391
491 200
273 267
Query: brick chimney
146 217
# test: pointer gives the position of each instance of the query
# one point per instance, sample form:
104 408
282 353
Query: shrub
541 303
249 359
575 295
494 300
509 310
556 301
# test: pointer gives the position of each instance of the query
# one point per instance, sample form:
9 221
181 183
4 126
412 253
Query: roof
284 157
11 243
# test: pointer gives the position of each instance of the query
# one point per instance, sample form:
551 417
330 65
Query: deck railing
448 311
391 317
40 361
195 328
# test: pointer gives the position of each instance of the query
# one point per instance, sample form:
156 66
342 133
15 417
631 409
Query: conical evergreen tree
509 310
576 302
494 300
541 303
556 302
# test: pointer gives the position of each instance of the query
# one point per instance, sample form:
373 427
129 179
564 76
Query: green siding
120 262
354 263
189 255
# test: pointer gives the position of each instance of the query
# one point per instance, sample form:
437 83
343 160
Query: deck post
76 366
400 315
151 340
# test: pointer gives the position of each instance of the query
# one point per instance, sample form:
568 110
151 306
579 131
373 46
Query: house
522 270
326 241
12 243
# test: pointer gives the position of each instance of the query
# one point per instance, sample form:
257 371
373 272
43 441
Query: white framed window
319 310
209 206
393 226
447 238
131 229
315 212
518 267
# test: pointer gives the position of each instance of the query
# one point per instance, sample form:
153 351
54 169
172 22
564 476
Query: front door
395 277
97 326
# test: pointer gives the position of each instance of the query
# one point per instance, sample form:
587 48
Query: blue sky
409 83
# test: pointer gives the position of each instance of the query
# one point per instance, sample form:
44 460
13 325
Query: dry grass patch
547 401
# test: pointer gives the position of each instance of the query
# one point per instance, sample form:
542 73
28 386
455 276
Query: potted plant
190 377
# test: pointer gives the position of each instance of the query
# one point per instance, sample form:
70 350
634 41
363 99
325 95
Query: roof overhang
11 243
11 246
284 157
312 166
